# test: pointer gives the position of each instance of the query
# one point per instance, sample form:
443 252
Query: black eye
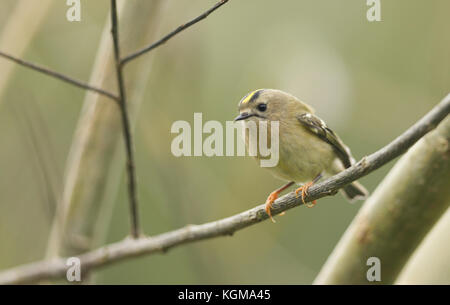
262 107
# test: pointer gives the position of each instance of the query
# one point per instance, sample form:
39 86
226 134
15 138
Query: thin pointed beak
243 116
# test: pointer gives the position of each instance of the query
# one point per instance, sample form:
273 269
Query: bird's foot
273 196
304 189
270 200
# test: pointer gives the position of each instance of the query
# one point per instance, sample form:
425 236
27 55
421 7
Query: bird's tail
355 191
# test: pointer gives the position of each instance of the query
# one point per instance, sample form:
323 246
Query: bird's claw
304 189
270 200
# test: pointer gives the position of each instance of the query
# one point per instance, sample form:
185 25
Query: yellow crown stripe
249 97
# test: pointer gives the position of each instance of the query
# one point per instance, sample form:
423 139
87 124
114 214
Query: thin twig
59 76
179 29
128 248
131 173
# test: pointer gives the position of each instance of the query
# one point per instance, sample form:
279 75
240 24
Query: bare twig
159 244
131 173
59 76
121 99
179 29
95 161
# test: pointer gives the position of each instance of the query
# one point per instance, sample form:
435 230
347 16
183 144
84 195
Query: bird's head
268 104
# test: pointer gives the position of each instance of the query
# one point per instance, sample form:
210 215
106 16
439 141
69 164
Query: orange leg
272 197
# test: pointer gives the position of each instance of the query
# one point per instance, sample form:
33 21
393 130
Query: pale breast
302 155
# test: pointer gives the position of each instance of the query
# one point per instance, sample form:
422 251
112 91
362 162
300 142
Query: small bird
308 148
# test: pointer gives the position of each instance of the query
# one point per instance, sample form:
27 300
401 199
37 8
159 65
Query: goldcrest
308 148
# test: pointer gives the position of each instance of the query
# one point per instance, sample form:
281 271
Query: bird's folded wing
321 130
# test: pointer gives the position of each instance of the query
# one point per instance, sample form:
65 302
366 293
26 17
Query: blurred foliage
369 81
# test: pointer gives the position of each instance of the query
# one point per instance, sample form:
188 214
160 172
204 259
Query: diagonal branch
131 173
59 76
52 269
389 152
179 29
397 216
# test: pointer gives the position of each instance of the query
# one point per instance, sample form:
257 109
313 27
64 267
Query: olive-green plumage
307 147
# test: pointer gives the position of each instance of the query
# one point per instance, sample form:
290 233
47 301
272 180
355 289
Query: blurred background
368 81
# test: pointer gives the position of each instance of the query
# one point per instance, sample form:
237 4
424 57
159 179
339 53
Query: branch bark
126 129
398 215
128 248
